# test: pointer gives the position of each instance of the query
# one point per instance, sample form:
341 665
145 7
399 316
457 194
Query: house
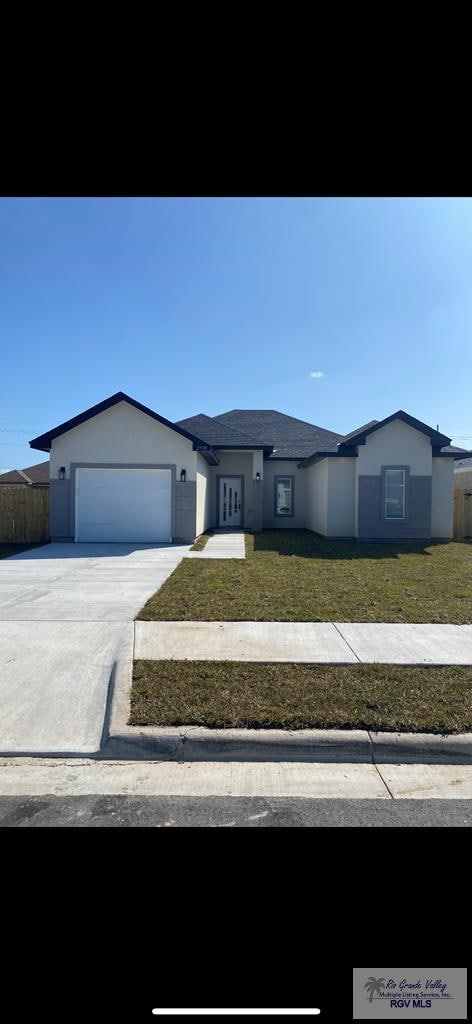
32 476
122 472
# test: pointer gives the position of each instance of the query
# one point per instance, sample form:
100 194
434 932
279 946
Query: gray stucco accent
372 524
59 510
185 510
74 466
257 504
226 476
284 476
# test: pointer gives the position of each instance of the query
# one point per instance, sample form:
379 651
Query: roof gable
44 441
359 436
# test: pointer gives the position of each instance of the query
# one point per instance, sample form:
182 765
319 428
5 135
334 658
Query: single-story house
121 472
32 476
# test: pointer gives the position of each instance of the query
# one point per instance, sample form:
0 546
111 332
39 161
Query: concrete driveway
65 612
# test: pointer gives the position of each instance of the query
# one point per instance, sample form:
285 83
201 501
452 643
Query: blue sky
203 305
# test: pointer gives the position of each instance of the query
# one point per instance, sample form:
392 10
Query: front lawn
296 576
232 694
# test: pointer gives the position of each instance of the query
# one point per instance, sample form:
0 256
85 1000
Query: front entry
230 501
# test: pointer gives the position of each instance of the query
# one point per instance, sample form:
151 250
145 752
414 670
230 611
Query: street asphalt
100 811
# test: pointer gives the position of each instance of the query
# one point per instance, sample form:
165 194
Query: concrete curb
193 743
421 747
199 744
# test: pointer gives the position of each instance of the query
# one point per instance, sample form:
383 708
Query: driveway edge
195 743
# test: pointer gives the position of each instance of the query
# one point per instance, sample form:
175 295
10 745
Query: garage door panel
123 505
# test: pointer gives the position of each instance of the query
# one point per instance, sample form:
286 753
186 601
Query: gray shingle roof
456 451
214 432
359 430
292 438
38 474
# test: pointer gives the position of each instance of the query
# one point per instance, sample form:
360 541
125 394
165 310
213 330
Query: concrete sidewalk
224 544
310 642
46 777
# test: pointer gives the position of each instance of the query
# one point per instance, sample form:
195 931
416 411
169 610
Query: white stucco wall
258 464
395 444
340 520
317 497
203 495
442 501
284 467
123 434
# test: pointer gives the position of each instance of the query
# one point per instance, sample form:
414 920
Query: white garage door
130 505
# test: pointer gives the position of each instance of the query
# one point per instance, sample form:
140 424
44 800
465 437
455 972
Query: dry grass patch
248 695
200 542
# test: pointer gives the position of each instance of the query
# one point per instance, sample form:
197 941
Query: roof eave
43 442
318 456
436 438
244 447
208 453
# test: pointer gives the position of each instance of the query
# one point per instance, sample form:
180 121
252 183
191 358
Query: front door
230 501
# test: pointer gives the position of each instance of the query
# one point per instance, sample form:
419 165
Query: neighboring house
121 472
463 474
32 476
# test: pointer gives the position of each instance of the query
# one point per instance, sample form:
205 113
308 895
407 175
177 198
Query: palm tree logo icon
374 985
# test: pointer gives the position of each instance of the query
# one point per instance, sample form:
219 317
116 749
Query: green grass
248 695
294 575
200 542
6 550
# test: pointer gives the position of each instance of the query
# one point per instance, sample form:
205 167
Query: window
284 496
394 493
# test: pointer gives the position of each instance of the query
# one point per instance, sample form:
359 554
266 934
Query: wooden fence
463 513
24 514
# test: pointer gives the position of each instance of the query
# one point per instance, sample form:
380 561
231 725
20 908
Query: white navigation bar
234 1012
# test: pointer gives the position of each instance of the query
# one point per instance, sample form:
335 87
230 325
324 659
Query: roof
290 437
44 441
281 436
38 475
217 433
360 430
347 445
460 466
358 436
